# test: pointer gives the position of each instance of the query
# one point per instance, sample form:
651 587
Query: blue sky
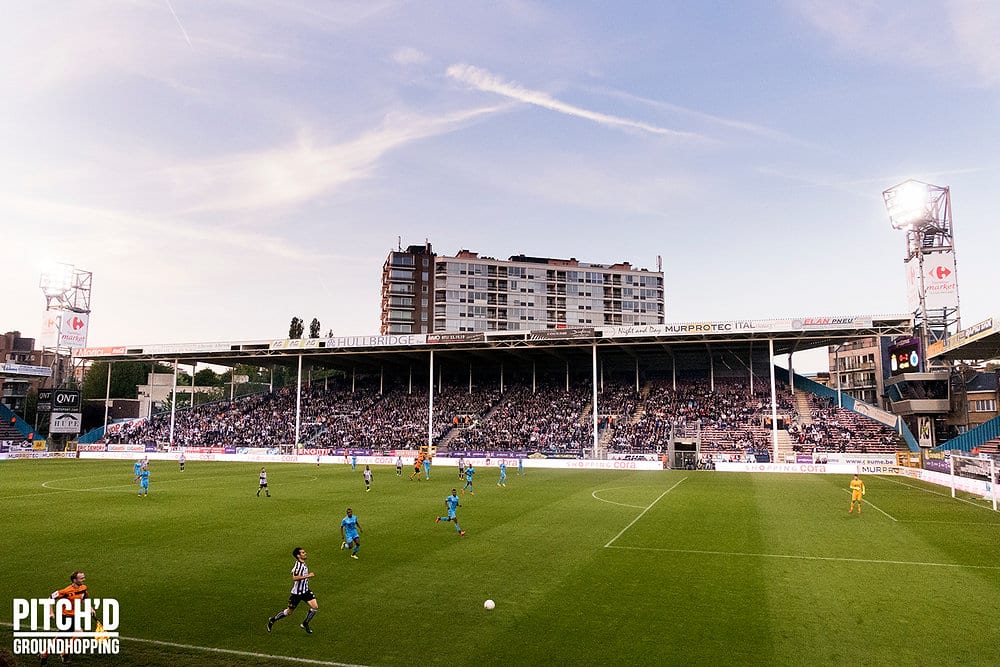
223 166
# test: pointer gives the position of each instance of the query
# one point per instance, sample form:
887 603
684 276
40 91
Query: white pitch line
954 523
642 513
53 490
611 502
228 651
938 493
249 654
823 558
876 507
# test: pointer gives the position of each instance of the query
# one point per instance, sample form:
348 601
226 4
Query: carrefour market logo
66 627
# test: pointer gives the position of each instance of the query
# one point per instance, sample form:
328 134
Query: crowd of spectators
724 417
834 429
549 420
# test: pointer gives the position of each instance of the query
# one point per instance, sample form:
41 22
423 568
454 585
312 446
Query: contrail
486 81
179 24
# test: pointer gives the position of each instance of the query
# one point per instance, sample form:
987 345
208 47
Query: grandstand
555 392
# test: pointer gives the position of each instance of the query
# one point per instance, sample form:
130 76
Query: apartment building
424 293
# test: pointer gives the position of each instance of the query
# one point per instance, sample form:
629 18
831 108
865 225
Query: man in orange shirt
77 590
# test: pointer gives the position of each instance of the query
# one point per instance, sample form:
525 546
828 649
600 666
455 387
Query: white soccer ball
489 604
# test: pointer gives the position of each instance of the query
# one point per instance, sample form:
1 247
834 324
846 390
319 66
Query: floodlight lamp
56 279
909 205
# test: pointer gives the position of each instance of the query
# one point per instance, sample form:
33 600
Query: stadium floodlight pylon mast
66 289
923 211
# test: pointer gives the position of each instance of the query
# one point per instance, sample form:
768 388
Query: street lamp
923 211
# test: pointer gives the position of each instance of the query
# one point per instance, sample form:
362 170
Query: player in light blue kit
144 482
503 474
520 466
469 472
427 467
350 530
136 471
354 461
451 502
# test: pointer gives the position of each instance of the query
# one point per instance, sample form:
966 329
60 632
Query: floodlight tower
67 297
923 211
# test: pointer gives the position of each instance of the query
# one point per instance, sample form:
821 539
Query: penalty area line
649 507
869 561
872 505
938 493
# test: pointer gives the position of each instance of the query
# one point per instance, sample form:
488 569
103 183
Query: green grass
586 567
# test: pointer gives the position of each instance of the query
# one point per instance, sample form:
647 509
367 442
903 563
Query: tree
125 377
206 377
296 328
314 328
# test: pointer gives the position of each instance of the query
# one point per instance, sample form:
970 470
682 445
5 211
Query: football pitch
586 567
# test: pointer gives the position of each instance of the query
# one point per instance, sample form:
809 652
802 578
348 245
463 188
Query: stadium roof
738 336
980 342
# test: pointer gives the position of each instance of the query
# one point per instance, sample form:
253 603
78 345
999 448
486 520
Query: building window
987 405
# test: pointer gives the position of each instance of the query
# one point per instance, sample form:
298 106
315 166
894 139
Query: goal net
977 476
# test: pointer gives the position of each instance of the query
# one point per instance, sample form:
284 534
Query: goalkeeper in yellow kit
857 491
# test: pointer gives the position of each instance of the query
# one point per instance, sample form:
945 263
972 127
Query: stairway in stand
803 407
785 453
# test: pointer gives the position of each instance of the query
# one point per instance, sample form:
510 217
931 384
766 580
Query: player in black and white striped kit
300 592
263 484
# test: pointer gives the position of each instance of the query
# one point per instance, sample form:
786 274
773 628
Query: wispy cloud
947 36
305 169
410 56
486 81
740 125
97 231
975 26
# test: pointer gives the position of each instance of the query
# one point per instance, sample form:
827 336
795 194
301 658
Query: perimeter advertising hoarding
106 351
65 422
66 400
740 326
973 333
459 337
348 341
559 334
24 369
